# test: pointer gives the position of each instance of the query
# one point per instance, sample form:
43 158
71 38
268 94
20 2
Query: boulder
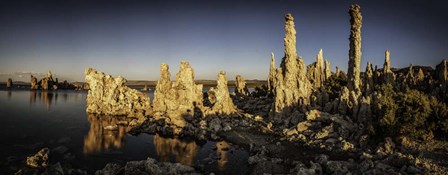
39 160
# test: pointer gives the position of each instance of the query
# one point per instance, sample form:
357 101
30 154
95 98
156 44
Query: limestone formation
292 88
34 84
189 94
368 79
316 71
442 73
388 75
110 96
338 72
271 76
175 100
222 103
240 86
9 83
354 62
327 70
47 83
164 94
420 75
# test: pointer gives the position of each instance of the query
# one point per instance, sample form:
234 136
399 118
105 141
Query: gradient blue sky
132 38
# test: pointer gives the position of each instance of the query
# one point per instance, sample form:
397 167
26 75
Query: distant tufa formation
9 83
240 86
48 83
110 96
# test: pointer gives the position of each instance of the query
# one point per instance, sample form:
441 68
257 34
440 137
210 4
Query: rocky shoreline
308 120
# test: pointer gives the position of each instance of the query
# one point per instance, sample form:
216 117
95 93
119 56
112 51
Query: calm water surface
31 120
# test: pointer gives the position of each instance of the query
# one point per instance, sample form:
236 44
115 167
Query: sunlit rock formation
291 85
271 76
105 132
354 62
9 83
388 76
240 86
327 70
110 96
368 80
349 98
34 84
183 151
219 97
178 99
316 71
47 83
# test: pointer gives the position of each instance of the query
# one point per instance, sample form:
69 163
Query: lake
31 120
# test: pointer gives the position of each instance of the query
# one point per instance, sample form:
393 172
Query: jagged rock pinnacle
354 62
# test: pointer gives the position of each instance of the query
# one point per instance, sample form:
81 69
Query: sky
132 38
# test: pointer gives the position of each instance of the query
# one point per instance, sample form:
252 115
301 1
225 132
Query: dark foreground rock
146 167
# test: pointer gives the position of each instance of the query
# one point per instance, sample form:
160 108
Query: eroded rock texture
240 86
354 62
316 71
164 94
222 104
34 84
110 96
39 160
271 76
178 99
327 70
47 82
9 83
368 79
388 75
292 87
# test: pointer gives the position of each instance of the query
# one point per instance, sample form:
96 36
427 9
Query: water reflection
182 151
9 95
222 150
33 96
98 138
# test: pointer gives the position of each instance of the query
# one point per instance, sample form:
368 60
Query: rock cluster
39 160
47 83
240 86
110 96
178 99
148 166
9 83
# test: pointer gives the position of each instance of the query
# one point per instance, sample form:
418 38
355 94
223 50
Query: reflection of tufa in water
105 132
183 151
